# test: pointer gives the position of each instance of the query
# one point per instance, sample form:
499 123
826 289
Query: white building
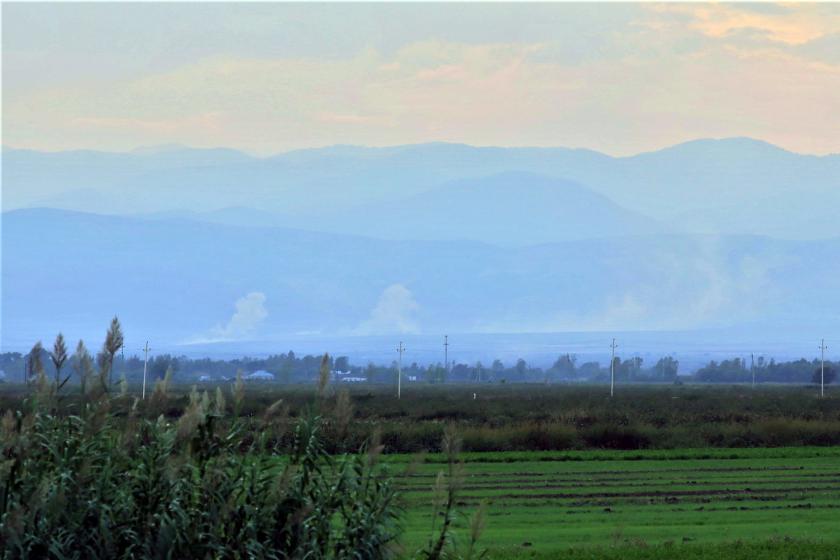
259 375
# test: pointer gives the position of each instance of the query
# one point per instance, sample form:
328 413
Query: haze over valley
218 248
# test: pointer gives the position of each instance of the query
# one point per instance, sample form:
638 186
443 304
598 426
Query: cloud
250 313
786 25
623 80
394 313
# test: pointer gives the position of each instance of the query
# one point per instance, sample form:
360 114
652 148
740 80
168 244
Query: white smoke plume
395 312
250 313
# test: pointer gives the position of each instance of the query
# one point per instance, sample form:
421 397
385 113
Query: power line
446 353
400 350
145 363
823 348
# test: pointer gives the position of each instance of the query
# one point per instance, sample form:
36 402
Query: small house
260 375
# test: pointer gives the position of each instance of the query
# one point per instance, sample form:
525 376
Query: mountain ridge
706 186
353 148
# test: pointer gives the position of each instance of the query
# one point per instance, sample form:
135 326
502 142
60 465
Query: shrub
613 436
527 437
90 486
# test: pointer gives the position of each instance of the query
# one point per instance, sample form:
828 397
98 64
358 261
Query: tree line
289 368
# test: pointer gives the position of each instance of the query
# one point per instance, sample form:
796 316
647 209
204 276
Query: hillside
181 279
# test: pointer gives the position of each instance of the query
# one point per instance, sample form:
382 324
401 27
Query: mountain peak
160 148
736 146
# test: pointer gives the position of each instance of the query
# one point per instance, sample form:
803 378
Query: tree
58 357
113 343
616 368
667 368
159 364
435 373
342 363
828 378
564 367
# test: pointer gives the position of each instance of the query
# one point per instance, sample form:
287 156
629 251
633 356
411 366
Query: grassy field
750 503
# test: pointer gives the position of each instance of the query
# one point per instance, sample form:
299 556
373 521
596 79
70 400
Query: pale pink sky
619 78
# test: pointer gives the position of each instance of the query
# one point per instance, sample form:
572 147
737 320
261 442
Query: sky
266 78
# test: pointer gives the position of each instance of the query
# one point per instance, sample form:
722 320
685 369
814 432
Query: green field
647 503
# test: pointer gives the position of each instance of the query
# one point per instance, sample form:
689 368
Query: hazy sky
620 78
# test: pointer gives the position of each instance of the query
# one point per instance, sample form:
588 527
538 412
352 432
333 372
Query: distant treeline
289 368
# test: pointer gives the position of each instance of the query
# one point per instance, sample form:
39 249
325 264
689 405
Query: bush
88 486
527 437
613 436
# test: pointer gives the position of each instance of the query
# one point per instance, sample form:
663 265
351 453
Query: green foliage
825 375
91 485
513 417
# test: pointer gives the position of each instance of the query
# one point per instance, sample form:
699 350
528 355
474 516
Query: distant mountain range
512 208
210 245
451 191
181 279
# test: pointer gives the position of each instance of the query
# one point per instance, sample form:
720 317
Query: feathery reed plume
447 485
219 404
323 376
274 412
113 343
238 391
82 365
34 365
477 523
58 357
160 394
193 416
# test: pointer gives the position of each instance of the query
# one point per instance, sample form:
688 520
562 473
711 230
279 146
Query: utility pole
823 348
613 346
752 368
446 353
145 363
400 350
